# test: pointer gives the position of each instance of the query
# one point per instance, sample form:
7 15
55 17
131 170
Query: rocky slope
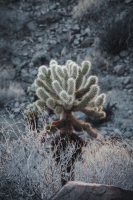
33 32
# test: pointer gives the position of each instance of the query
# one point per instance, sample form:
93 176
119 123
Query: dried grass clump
108 163
13 91
29 170
118 35
88 6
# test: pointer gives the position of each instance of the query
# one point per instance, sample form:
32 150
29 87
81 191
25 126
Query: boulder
88 191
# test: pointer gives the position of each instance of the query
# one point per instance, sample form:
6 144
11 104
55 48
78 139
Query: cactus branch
66 89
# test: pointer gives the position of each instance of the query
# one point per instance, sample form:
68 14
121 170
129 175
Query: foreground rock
87 191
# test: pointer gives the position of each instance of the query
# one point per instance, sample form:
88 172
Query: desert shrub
29 170
9 89
40 58
90 7
13 91
108 163
118 35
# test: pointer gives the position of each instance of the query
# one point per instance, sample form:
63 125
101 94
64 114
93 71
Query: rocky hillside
34 32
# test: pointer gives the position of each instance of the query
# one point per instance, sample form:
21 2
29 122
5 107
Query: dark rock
49 18
127 80
87 42
119 69
124 53
78 190
40 58
128 1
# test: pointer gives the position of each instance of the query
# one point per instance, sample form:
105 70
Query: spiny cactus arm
75 71
57 74
54 75
66 77
68 65
65 97
59 71
91 81
84 126
46 79
51 103
79 79
88 97
43 70
100 100
32 88
71 84
83 72
86 66
42 94
41 105
94 114
65 71
57 87
53 62
41 83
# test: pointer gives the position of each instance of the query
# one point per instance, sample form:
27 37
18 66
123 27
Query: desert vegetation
66 93
29 169
65 90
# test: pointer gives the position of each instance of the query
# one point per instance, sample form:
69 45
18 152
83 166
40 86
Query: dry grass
108 163
85 6
9 89
29 171
118 35
13 91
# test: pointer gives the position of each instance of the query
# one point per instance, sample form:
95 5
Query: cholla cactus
66 89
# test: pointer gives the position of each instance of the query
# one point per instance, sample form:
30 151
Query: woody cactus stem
66 89
31 114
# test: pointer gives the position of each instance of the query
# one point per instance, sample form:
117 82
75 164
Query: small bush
109 163
13 91
92 7
118 35
29 170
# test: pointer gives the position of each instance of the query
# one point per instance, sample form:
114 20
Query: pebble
130 91
16 110
33 72
76 27
128 1
31 25
127 80
40 39
116 58
87 31
16 61
117 131
16 105
119 69
130 112
129 86
76 42
123 53
128 134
